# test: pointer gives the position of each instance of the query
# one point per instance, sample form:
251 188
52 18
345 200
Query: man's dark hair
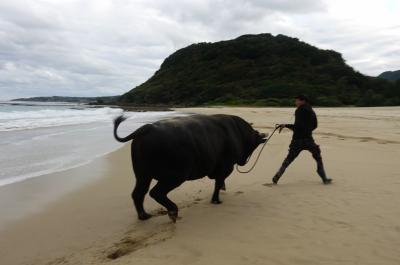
303 98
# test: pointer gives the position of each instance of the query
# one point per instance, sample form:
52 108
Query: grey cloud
104 47
369 50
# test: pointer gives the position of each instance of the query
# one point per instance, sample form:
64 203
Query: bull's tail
117 122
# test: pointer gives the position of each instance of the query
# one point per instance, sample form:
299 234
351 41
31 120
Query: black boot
322 174
278 175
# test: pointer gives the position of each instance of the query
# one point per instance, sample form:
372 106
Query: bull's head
251 140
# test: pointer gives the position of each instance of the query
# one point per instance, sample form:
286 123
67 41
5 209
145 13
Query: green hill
390 75
260 70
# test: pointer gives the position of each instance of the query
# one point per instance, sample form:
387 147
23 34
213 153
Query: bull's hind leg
138 193
159 193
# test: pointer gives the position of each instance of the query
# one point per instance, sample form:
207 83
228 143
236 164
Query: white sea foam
40 140
21 120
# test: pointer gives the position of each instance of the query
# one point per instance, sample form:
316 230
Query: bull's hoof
173 215
216 201
144 216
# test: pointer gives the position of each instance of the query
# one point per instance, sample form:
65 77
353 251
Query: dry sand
354 221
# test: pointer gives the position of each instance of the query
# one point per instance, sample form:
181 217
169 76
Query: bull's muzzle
263 137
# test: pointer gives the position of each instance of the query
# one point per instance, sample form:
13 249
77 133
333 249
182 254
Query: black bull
187 148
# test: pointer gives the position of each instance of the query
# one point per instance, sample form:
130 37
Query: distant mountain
98 100
259 70
390 75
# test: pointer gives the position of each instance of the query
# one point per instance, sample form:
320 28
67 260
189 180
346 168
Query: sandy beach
300 221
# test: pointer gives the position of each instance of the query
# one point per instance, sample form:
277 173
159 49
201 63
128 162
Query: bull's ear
262 140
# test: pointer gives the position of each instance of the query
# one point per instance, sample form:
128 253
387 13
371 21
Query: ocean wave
22 120
54 147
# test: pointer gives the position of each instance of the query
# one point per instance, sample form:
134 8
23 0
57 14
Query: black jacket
305 122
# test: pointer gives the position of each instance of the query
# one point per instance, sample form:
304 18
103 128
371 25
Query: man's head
301 100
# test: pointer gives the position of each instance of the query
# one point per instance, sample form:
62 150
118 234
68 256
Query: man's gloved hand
280 127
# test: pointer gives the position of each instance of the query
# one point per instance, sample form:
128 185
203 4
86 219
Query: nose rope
258 156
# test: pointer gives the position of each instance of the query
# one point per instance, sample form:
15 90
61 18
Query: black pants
298 145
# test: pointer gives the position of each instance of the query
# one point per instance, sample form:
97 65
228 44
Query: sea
45 137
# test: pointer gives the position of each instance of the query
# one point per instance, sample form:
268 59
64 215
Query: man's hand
280 127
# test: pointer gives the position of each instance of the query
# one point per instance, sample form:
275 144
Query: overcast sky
107 47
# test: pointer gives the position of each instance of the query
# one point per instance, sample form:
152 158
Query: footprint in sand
239 192
159 212
132 243
197 201
268 184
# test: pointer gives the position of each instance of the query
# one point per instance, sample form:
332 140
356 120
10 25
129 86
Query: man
305 123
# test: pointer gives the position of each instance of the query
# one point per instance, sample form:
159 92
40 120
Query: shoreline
298 221
53 216
18 179
35 187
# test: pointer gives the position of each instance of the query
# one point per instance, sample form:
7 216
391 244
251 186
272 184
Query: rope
259 154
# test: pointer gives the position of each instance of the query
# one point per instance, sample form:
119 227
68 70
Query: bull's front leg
219 183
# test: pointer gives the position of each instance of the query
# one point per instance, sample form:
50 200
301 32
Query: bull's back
187 147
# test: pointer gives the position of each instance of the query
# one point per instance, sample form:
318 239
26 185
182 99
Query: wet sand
300 221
